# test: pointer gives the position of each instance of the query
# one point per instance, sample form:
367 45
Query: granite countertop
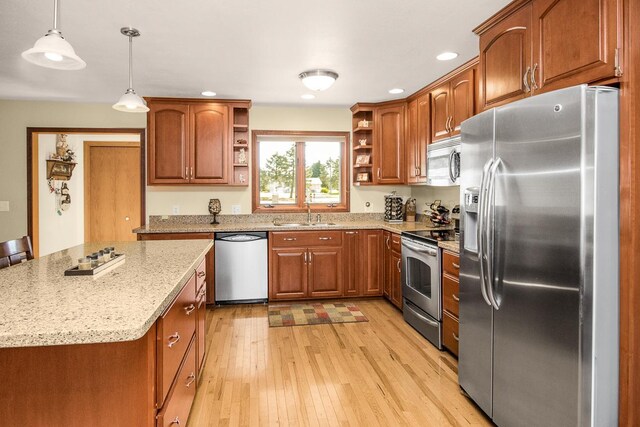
172 227
43 307
450 245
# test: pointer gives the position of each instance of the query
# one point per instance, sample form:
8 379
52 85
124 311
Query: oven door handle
426 319
428 251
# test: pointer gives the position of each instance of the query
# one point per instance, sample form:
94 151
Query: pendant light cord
130 62
55 15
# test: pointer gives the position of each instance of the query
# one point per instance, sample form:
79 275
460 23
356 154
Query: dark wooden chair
15 251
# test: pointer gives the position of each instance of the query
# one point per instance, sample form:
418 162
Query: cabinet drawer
451 263
395 243
175 329
178 405
296 239
450 332
201 275
450 293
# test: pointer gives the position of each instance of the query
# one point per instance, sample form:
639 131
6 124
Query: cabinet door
389 154
168 157
371 266
209 141
288 273
462 99
574 42
424 135
505 57
386 262
440 113
352 260
411 138
396 279
325 272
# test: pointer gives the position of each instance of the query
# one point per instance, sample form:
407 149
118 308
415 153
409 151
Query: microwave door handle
491 182
480 231
428 251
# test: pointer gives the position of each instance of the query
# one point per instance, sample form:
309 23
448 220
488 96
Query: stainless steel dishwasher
241 267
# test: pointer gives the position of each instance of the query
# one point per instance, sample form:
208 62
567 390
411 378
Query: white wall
59 232
425 195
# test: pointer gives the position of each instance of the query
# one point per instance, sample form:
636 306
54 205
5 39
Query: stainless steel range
421 284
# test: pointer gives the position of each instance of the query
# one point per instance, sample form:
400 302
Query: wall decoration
362 159
362 177
215 207
60 167
242 157
363 141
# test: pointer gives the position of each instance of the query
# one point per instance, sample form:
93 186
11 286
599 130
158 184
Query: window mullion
301 174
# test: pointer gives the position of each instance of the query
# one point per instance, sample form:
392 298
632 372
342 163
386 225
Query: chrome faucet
308 212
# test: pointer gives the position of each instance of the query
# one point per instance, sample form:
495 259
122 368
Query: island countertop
43 307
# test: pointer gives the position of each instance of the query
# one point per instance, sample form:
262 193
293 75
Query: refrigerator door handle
480 231
490 206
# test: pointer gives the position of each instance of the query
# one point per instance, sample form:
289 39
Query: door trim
32 172
87 176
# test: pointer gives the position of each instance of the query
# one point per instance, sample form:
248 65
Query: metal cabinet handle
201 274
191 172
189 309
190 379
378 172
456 266
175 421
310 254
534 84
455 337
203 292
398 265
525 80
173 339
350 232
455 298
186 172
388 247
289 239
325 238
305 257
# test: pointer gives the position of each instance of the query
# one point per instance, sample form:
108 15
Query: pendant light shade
318 79
53 51
130 102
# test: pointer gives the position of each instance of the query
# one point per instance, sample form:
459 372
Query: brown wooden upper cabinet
536 46
417 138
452 102
389 139
190 141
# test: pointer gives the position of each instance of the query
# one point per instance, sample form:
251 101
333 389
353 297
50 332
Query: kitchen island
91 350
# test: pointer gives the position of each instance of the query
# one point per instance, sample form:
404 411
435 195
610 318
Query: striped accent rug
314 314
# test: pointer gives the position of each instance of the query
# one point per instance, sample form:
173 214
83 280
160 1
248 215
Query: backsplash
263 218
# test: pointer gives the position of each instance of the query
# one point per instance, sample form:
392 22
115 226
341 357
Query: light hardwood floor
378 373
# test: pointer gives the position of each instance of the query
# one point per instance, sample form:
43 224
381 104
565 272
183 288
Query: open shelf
360 129
368 165
240 132
362 147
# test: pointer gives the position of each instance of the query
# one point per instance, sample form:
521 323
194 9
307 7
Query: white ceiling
250 49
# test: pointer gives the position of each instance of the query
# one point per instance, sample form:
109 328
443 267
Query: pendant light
130 102
53 51
318 79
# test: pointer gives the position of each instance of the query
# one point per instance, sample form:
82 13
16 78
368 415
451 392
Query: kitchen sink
323 224
305 224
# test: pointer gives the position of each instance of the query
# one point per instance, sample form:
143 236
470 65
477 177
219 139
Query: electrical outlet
4 206
235 209
175 210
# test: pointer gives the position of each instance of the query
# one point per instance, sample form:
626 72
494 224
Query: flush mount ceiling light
130 102
53 51
318 79
396 91
446 56
208 93
307 96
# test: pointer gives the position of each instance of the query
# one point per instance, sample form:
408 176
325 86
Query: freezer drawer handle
173 339
455 337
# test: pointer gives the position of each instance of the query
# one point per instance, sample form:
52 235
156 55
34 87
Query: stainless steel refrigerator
539 282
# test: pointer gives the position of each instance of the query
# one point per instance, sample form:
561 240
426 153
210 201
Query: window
292 168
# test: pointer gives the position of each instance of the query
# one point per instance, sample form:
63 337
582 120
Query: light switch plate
4 206
235 209
175 210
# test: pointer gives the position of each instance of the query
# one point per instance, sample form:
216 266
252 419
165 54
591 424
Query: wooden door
168 156
411 139
208 144
462 99
389 156
288 273
505 58
352 260
396 279
112 191
574 42
424 135
440 114
386 262
372 258
325 272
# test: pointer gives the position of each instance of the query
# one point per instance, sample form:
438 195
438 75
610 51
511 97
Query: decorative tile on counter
42 307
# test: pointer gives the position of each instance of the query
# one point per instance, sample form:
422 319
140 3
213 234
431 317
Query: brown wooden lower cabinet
325 272
178 405
209 260
288 273
450 300
450 332
371 268
392 260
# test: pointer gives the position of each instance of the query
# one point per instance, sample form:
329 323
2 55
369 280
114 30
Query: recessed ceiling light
208 93
307 96
446 56
396 91
318 79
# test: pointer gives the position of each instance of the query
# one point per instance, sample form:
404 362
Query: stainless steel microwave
443 162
